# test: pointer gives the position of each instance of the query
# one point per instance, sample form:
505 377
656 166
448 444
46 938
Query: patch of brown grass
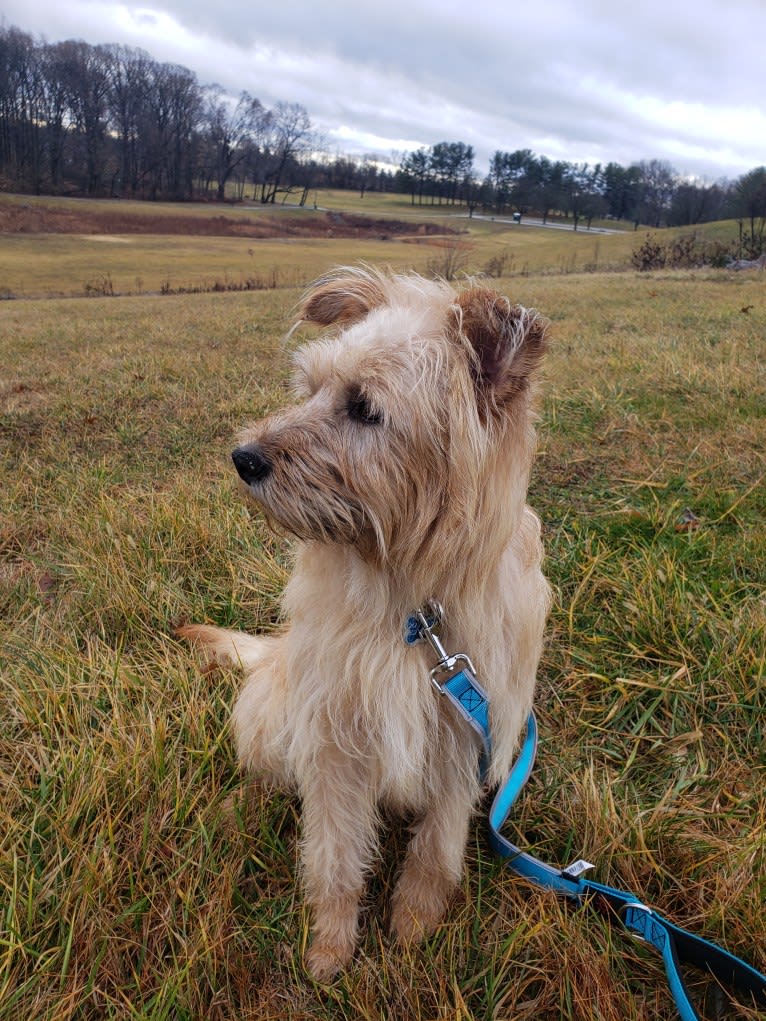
102 220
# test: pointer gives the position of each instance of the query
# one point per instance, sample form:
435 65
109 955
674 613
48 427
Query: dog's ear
507 341
344 298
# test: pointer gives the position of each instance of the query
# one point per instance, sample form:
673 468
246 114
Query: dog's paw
207 641
417 912
324 961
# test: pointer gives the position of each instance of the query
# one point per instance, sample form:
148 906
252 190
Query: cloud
587 81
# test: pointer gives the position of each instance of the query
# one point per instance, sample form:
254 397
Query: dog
402 473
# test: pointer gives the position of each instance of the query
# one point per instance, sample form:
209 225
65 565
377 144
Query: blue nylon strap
470 700
676 945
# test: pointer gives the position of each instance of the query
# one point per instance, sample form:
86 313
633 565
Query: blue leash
676 945
454 677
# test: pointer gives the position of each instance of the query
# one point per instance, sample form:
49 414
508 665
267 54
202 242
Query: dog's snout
252 464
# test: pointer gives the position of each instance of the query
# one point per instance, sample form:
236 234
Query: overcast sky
580 80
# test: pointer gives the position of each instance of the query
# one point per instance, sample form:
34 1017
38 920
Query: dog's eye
360 410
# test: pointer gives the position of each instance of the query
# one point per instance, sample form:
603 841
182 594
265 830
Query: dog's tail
234 648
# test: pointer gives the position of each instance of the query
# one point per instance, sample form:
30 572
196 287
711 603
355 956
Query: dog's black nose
252 464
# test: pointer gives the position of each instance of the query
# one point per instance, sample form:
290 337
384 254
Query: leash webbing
676 945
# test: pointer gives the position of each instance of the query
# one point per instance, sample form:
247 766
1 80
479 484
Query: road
531 221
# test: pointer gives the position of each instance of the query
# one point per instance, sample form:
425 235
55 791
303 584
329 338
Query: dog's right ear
343 298
507 342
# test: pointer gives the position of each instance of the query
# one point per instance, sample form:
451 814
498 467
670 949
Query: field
89 248
140 877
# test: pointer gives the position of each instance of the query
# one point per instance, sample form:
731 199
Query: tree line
648 192
111 121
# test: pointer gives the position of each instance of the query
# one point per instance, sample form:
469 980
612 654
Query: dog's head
412 409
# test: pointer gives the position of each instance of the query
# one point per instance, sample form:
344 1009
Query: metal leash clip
453 676
446 665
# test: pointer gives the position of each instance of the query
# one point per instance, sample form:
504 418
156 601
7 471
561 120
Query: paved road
530 221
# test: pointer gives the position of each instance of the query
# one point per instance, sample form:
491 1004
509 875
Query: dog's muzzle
252 464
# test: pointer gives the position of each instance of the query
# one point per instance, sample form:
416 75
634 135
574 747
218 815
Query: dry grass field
76 247
139 877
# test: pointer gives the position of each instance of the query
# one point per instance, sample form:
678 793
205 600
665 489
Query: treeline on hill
649 192
112 121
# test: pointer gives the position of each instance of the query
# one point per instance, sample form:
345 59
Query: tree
585 189
450 163
622 190
414 173
86 77
366 174
131 77
695 203
506 171
658 182
750 204
170 120
476 193
20 112
546 185
230 130
288 138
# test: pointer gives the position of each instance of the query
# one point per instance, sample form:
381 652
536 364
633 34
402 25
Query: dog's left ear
342 298
507 341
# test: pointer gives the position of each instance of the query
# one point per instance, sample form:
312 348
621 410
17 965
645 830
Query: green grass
140 880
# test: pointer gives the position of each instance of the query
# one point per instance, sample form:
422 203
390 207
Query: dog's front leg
434 862
339 841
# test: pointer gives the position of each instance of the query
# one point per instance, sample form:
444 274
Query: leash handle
676 945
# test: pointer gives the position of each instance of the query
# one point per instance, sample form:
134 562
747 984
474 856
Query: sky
579 80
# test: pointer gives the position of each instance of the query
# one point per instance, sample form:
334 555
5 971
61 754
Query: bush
650 255
689 251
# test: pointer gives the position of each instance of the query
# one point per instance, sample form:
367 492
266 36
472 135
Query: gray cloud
591 80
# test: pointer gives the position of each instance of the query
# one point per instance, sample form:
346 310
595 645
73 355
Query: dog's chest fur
356 686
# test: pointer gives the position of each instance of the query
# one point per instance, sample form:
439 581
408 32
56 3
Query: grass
72 265
141 880
97 261
67 265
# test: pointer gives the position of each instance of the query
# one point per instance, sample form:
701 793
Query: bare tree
170 121
695 203
86 75
230 130
750 202
289 137
130 82
20 96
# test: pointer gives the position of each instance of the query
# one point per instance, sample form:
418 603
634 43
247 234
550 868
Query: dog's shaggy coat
402 472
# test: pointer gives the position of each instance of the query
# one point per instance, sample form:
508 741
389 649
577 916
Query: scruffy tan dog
403 473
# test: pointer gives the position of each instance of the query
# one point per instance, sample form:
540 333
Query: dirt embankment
42 219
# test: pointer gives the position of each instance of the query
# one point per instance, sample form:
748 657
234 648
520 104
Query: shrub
688 251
